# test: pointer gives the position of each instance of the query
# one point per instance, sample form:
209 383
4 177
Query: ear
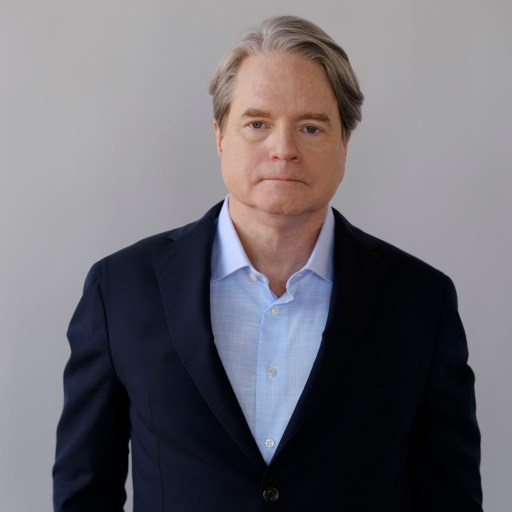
218 137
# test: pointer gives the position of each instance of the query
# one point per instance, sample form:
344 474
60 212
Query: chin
277 204
283 208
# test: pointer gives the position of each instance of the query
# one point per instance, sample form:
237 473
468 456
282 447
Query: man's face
281 148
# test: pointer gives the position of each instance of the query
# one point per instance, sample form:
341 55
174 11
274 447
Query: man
270 355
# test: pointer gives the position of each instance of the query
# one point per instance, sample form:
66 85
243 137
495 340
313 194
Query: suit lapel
358 274
183 270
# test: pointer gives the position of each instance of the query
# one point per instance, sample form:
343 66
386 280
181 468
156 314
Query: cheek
341 172
234 173
332 161
242 159
339 159
332 175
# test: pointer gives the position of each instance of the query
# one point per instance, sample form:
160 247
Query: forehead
286 80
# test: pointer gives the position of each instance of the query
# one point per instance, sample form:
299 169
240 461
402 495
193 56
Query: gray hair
295 35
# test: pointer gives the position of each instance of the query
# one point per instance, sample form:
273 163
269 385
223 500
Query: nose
283 145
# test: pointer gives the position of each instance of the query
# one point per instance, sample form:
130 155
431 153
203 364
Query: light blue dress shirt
268 344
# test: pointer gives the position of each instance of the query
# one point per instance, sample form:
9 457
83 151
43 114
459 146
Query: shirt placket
270 371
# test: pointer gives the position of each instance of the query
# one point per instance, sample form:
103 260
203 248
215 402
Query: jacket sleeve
92 436
444 455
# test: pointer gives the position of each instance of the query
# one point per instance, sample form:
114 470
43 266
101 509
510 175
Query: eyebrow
252 112
315 116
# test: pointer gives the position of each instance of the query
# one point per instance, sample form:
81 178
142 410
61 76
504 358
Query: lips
281 178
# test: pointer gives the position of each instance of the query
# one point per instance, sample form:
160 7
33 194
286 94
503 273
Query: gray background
105 137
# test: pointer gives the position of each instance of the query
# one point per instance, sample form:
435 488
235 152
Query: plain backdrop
105 138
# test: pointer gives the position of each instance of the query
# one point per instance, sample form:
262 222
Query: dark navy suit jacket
385 423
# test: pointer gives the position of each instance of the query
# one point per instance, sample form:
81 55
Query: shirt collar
321 260
228 254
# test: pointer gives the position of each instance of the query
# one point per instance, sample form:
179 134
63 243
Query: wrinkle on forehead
307 89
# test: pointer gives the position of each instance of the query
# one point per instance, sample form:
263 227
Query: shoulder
399 263
137 258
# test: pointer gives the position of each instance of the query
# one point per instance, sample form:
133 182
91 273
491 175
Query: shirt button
274 311
271 371
269 442
253 277
270 494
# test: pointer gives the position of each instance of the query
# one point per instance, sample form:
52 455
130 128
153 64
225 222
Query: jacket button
270 494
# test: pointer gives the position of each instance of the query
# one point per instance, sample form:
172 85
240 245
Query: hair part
294 35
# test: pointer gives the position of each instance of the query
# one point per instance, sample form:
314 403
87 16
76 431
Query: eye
256 125
311 129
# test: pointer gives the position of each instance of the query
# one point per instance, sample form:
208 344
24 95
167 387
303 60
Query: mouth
282 179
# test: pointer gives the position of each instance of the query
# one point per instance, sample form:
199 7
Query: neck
277 245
